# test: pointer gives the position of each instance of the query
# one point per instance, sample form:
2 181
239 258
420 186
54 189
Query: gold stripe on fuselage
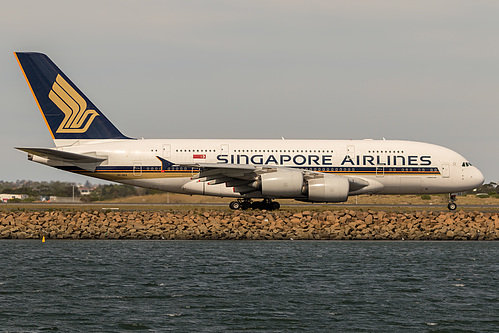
117 175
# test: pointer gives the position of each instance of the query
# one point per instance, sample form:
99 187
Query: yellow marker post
43 239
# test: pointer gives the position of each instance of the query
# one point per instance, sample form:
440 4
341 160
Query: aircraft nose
477 177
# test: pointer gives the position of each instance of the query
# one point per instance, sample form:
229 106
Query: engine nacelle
331 188
282 184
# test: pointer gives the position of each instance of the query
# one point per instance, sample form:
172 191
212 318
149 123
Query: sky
408 70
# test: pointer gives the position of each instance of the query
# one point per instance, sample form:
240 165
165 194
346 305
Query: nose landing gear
244 204
452 204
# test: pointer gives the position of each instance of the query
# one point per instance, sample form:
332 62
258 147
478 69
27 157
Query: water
259 286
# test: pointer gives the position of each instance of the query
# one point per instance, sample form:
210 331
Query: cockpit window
466 164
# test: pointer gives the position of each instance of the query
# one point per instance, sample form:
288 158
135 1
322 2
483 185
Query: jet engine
291 184
331 188
282 184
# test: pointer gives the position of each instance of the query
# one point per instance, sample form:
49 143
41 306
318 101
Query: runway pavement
159 206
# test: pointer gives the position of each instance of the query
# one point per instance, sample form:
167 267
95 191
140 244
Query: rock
214 224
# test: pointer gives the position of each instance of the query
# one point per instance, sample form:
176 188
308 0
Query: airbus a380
254 172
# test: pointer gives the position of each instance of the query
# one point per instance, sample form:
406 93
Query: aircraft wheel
235 205
275 205
452 206
245 205
256 205
266 205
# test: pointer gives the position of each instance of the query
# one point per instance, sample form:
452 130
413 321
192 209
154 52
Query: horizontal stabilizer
80 160
55 154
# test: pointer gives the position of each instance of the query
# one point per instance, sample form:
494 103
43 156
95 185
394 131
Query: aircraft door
380 171
167 151
351 151
224 149
137 169
445 170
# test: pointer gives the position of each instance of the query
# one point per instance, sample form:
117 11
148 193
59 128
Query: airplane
254 172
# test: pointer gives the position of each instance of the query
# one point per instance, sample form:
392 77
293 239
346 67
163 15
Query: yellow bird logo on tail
77 119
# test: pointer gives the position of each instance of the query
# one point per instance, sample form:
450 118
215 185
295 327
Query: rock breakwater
219 224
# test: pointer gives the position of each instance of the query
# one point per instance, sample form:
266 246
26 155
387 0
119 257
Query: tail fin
68 113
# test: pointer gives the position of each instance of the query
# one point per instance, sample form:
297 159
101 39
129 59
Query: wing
247 178
239 176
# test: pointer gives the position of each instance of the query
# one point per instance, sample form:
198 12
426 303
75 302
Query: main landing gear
452 204
244 204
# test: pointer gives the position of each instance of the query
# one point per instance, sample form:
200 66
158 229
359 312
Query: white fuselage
390 166
308 170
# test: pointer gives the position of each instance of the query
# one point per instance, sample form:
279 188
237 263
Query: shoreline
213 224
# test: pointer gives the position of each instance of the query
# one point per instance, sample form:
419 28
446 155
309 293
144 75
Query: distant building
5 197
85 190
53 198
